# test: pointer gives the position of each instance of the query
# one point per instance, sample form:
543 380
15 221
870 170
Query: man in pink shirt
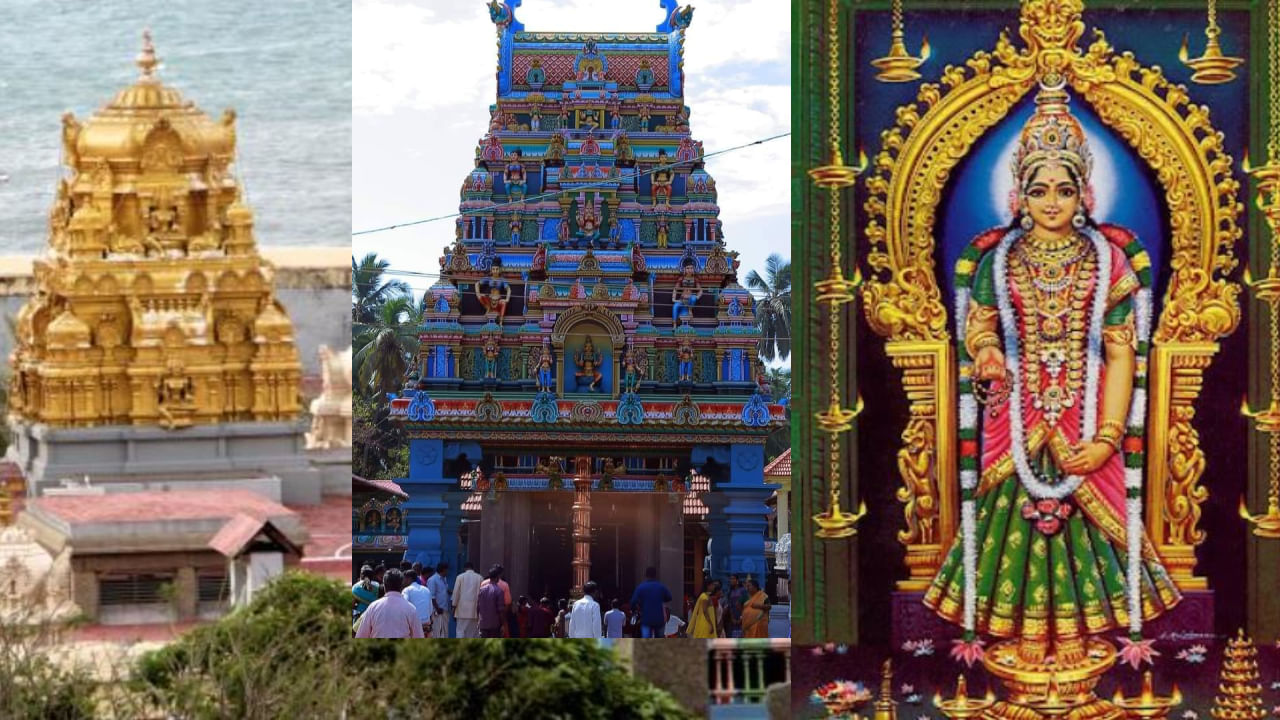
506 594
391 616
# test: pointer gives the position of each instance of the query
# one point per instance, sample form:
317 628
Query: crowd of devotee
413 601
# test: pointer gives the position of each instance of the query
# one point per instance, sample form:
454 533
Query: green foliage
385 347
285 655
773 309
369 290
32 686
289 654
512 678
378 447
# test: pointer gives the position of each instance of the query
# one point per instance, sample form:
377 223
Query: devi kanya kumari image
1048 284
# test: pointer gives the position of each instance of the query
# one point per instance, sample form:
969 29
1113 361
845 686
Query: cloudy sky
424 78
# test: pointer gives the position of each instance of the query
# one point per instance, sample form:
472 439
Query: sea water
284 66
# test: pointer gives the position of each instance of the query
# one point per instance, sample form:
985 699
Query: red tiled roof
238 532
328 526
781 465
152 504
387 486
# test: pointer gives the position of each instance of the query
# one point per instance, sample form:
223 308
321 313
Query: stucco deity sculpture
331 412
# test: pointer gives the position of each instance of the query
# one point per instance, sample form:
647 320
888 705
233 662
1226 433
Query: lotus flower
967 651
1136 652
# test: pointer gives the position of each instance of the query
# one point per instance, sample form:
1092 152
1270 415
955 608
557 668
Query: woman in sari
703 623
1053 323
755 613
363 593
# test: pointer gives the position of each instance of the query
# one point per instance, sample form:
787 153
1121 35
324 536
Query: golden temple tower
1241 692
152 307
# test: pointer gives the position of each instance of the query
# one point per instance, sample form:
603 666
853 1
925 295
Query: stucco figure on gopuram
153 311
588 347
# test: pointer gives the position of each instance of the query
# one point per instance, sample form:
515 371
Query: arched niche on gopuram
580 364
1149 141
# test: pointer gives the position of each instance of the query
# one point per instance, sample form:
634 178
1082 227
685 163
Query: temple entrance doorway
550 561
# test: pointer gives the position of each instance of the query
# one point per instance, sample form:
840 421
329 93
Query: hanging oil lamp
899 65
1213 67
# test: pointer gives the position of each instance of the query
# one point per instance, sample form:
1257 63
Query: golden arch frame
904 304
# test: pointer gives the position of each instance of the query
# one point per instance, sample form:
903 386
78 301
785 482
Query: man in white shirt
419 596
466 591
439 586
614 620
584 616
391 616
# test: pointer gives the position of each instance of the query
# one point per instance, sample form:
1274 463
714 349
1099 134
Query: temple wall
678 666
313 283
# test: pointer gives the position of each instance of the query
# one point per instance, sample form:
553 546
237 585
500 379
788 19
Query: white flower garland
1035 487
968 478
1133 476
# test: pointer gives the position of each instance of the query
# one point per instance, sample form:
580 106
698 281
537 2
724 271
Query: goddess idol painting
1052 327
1033 306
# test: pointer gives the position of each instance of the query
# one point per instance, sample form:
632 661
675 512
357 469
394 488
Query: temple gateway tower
154 350
587 400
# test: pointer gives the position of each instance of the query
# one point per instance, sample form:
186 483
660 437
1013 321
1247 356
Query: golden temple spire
147 60
153 263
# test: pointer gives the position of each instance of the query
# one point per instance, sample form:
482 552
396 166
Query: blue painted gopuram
587 401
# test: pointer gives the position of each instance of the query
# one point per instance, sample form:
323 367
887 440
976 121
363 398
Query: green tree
780 383
773 309
378 447
289 654
369 289
385 347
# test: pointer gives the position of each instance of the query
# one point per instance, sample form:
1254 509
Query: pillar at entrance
737 517
581 534
433 510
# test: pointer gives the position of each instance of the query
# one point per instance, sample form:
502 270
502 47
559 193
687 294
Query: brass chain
897 15
1273 156
833 77
1273 488
1273 80
833 310
1212 30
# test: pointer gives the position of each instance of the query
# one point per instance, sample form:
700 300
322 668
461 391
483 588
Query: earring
1078 219
1026 222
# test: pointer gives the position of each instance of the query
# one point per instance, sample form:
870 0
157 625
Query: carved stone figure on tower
493 292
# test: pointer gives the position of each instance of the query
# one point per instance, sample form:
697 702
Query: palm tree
780 383
385 347
773 311
368 288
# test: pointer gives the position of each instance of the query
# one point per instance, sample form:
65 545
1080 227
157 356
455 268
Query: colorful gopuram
588 348
153 311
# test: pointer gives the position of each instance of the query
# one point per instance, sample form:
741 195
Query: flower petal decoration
1136 652
967 651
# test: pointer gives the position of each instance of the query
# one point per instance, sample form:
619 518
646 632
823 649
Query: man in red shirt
540 619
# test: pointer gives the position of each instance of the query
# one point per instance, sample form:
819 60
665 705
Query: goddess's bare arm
982 341
1117 388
